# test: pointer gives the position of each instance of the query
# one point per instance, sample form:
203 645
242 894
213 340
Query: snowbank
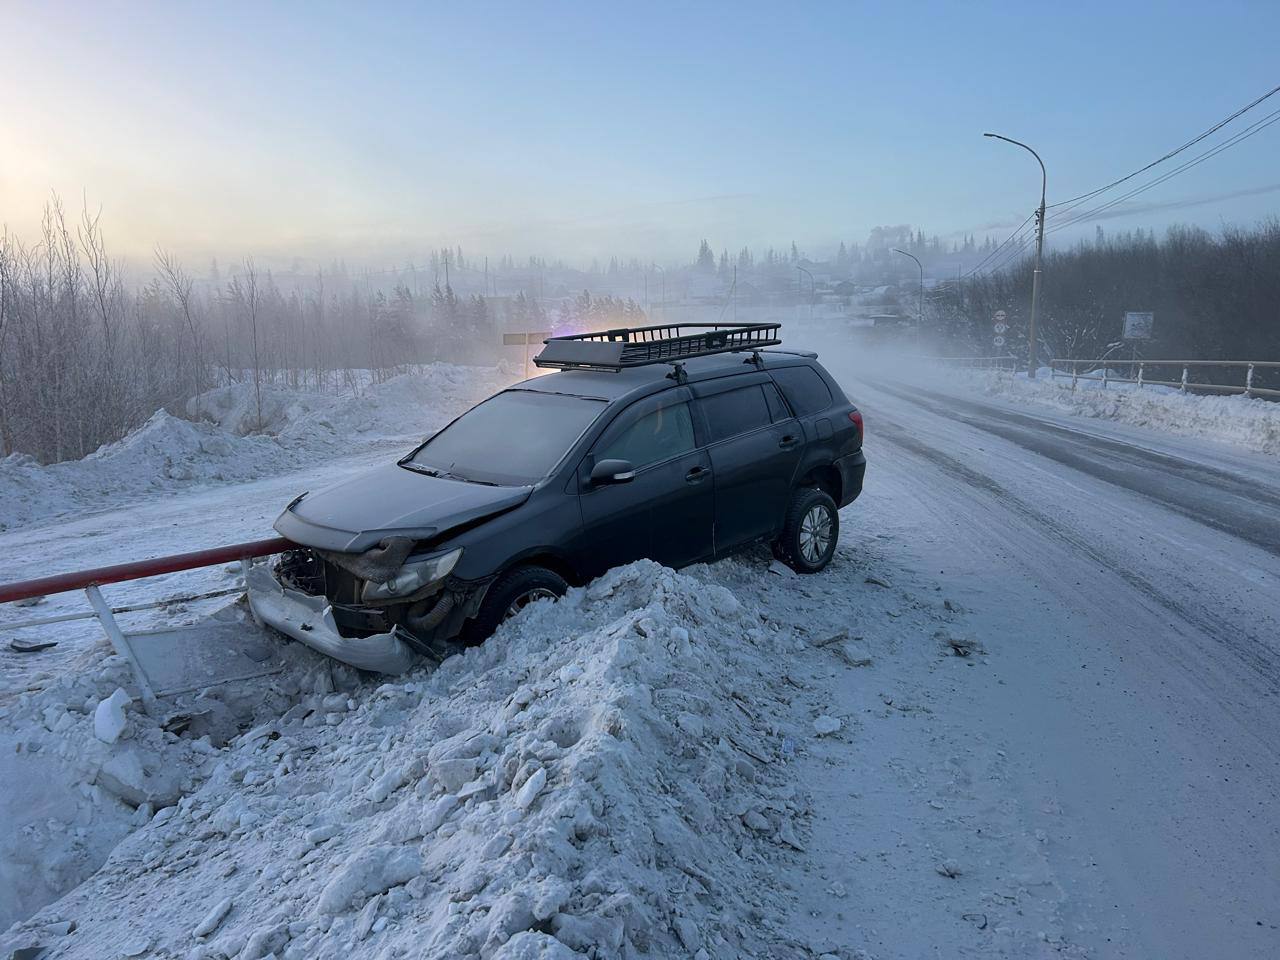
407 405
1247 422
167 453
79 776
598 779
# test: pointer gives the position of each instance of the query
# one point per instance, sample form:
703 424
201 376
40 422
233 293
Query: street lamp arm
1044 178
911 255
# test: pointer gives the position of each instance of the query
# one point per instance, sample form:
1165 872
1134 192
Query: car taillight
856 417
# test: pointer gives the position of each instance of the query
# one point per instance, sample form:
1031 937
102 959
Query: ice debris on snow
108 719
213 918
543 795
825 725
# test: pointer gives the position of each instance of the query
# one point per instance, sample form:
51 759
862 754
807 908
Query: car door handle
696 474
787 442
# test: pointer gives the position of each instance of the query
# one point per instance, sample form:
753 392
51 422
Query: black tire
809 532
511 591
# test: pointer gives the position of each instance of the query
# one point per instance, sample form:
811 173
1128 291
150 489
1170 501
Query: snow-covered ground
1028 711
1248 422
228 444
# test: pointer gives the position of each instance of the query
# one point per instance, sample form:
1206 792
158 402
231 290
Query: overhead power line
1249 131
1018 241
1172 153
1009 239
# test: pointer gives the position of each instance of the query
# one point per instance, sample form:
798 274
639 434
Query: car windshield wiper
419 468
486 483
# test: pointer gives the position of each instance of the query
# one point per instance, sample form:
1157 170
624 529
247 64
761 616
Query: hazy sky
377 131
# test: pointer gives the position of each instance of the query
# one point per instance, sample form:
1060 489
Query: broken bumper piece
309 620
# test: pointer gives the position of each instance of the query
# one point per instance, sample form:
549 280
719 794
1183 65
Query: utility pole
664 291
1035 276
920 304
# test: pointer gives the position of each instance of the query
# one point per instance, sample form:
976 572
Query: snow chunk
529 945
825 725
370 871
531 788
109 719
213 919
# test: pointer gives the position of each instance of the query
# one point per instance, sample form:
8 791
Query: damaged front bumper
309 619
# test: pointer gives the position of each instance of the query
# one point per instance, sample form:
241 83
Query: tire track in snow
1251 649
1243 509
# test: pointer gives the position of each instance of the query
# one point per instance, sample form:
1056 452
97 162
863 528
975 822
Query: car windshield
512 439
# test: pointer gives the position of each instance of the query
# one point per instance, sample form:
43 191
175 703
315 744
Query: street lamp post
813 289
664 290
920 308
1035 276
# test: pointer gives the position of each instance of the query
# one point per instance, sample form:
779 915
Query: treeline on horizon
86 357
1214 296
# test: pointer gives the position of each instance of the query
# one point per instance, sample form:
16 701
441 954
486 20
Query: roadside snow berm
588 782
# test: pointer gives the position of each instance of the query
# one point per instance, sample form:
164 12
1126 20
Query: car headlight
413 576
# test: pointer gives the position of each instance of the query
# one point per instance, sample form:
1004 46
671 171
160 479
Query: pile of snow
167 453
601 778
162 454
410 405
83 765
1248 422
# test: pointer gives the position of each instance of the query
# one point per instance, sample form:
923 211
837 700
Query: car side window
804 389
657 436
736 411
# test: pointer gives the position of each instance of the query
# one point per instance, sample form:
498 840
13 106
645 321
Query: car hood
390 501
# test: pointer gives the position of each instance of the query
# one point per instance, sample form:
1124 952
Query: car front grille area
305 571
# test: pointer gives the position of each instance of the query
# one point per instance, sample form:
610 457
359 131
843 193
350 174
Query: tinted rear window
736 411
804 389
516 437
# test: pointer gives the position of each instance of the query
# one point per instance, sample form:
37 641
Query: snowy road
1126 588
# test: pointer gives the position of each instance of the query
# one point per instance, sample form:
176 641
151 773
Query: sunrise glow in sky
373 131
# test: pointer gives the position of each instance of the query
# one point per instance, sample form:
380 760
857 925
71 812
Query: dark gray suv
679 444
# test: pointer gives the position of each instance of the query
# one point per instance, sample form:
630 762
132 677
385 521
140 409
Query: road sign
1001 327
999 341
1138 326
524 339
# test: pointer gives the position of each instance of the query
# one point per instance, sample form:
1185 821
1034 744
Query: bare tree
180 287
245 295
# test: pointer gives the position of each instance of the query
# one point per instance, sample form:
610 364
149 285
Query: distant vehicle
665 443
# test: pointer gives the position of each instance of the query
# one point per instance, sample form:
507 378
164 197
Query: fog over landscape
569 481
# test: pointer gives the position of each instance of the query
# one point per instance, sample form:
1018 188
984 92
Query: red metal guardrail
63 582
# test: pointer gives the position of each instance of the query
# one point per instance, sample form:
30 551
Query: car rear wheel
810 531
511 593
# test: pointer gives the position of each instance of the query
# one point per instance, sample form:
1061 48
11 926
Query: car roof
635 382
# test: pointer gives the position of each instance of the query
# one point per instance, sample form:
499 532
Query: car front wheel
511 593
810 531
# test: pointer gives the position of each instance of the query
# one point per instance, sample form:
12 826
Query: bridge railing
90 580
1104 372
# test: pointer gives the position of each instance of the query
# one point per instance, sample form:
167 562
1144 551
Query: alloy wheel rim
815 533
526 598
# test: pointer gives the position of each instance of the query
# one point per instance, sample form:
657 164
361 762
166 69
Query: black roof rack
640 346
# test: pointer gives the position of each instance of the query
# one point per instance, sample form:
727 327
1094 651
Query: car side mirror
613 471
